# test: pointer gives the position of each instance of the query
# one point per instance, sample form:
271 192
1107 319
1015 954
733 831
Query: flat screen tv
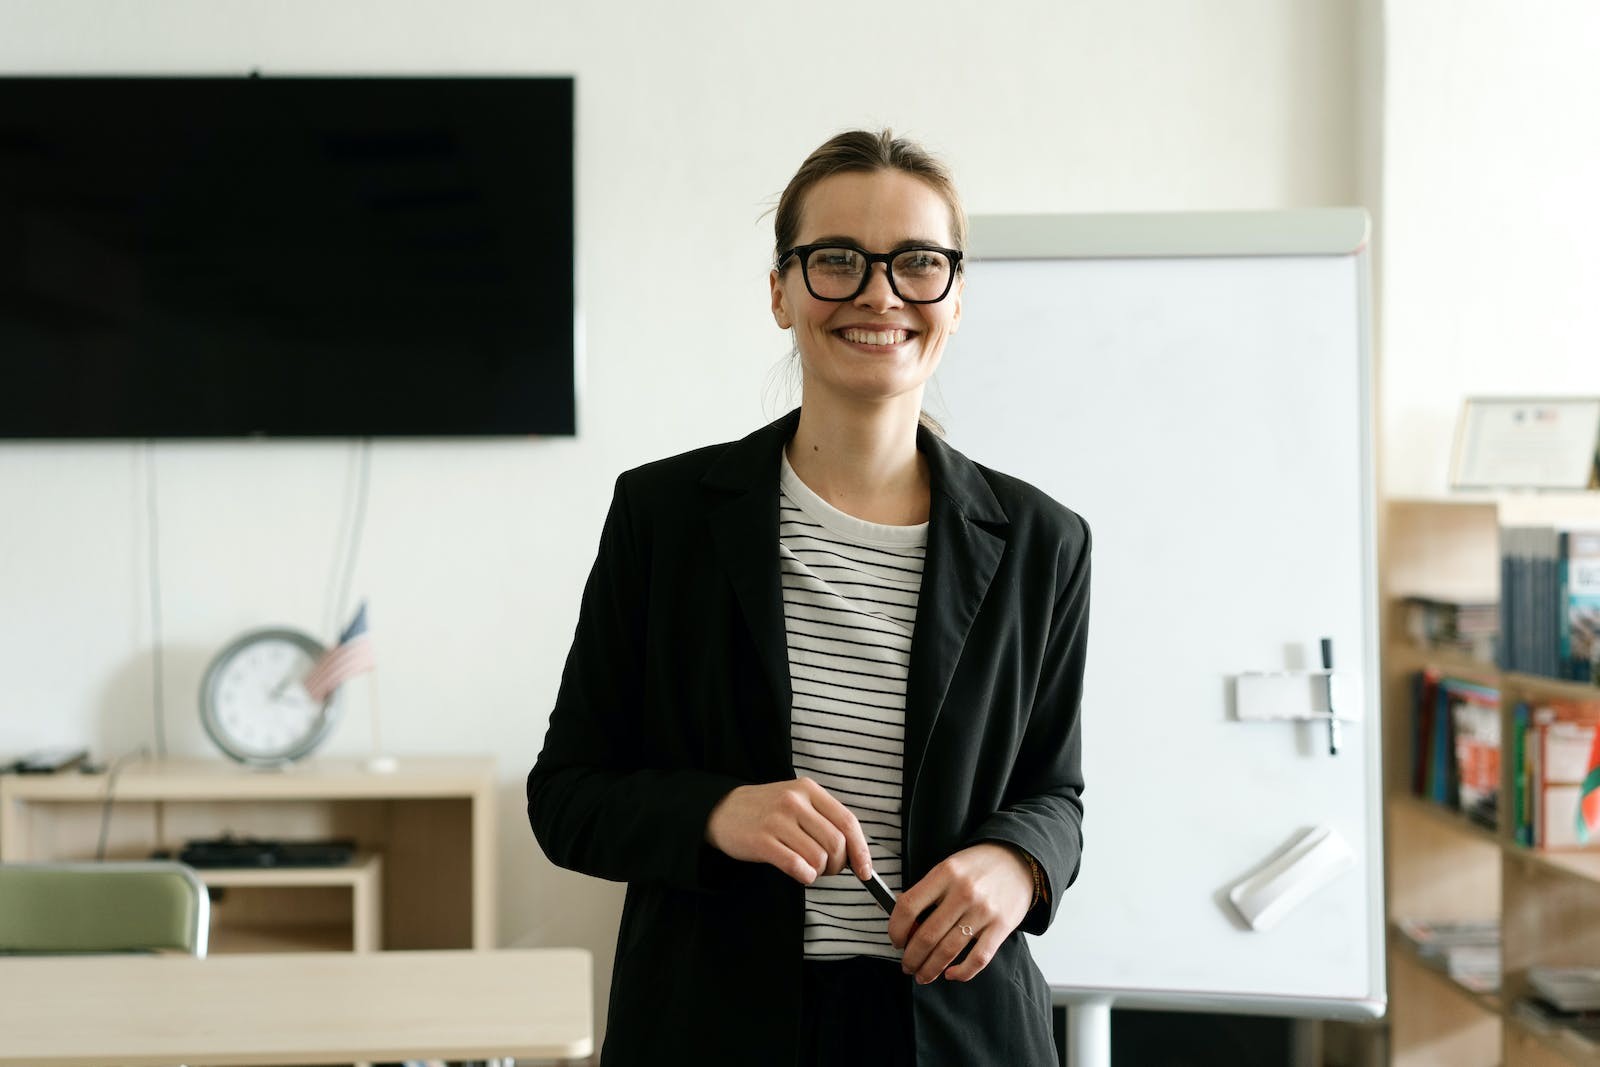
286 256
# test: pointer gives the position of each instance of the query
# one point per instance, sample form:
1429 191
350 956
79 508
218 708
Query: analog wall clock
252 702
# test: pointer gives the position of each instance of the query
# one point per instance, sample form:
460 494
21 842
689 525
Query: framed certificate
1527 443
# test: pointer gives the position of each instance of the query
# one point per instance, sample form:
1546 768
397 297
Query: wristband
1038 880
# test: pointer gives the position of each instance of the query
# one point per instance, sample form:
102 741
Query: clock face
252 701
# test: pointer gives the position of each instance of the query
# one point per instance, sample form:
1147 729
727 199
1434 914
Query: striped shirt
849 606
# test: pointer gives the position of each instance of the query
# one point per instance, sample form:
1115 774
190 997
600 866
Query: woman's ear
780 303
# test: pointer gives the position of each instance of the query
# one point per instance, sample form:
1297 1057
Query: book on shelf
1550 602
1553 754
1456 743
1470 628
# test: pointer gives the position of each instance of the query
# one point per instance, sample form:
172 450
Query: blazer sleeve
595 804
1045 819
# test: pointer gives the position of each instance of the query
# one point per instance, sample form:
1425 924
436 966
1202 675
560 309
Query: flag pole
379 763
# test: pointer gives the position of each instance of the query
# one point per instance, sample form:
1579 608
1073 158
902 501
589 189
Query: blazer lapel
744 529
966 528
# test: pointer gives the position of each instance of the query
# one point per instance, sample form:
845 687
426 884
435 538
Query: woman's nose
878 294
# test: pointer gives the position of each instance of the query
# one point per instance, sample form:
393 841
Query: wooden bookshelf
1441 864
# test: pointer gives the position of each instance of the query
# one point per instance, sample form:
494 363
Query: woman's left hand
986 889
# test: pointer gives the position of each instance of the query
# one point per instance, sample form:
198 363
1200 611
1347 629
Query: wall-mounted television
286 256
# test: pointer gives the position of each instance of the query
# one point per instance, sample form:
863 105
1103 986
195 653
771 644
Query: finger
828 836
921 957
944 953
794 865
984 948
910 909
803 845
855 838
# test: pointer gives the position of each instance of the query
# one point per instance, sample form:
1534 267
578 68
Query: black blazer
676 690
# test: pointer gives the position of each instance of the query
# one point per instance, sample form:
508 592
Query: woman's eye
840 260
919 262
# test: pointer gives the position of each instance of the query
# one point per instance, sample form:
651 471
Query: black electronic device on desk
50 760
230 851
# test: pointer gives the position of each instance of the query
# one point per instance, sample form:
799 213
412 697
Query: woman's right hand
797 826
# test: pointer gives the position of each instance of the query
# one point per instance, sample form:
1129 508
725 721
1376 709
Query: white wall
1491 246
691 116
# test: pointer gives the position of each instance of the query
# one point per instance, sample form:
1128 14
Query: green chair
53 908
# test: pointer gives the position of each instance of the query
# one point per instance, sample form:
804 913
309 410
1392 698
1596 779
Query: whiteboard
1198 388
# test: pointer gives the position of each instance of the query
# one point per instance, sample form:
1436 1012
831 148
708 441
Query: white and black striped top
849 606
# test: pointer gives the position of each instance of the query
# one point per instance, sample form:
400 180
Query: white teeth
874 337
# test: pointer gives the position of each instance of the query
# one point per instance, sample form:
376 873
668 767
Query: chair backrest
102 907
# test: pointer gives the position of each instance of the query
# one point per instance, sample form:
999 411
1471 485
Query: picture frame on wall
1527 443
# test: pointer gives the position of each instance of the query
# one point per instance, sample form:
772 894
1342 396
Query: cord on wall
347 545
341 606
157 646
111 788
330 610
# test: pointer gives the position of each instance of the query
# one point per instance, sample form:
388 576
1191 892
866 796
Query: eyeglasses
921 274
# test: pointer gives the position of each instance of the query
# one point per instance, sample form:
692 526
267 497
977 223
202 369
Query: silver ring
966 930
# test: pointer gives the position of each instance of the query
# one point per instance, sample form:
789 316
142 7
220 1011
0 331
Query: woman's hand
986 888
797 826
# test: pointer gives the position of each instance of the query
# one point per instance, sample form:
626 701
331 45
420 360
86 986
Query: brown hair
855 151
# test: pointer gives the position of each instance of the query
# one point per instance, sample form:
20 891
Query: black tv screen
286 256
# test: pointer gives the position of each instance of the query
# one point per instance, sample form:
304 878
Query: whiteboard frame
1339 231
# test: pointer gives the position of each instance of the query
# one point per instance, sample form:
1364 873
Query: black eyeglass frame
886 258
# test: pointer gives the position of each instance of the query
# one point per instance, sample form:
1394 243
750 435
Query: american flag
350 657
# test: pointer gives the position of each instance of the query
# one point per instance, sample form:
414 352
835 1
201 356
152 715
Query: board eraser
1315 858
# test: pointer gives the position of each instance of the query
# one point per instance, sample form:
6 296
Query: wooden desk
295 1008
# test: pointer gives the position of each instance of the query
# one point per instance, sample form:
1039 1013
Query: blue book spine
1443 756
1507 627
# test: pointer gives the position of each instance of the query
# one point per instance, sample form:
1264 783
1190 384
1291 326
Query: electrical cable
157 648
330 611
111 789
362 490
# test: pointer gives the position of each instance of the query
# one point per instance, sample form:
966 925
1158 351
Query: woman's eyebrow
845 239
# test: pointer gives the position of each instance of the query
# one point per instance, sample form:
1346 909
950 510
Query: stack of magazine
1567 997
1468 627
1468 950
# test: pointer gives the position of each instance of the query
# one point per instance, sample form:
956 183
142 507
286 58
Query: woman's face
839 341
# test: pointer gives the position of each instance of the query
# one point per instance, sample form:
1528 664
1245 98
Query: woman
834 648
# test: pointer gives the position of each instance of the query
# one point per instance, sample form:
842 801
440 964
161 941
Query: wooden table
295 1008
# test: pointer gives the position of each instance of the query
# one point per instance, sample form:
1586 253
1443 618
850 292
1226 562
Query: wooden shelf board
364 866
216 779
1489 1002
1446 817
1416 657
1570 1046
1578 863
1555 688
280 938
1528 507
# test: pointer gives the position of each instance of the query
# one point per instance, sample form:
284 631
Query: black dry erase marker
1333 716
880 892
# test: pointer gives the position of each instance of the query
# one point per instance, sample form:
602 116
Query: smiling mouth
877 338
